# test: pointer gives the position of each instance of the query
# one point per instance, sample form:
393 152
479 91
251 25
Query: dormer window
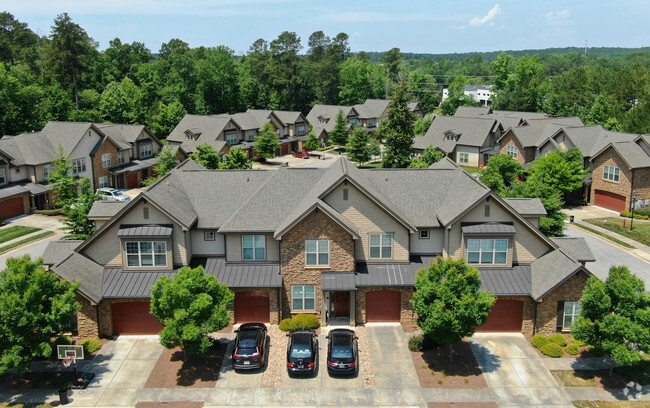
189 136
232 138
450 136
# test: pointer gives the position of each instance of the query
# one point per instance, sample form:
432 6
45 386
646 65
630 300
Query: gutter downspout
99 330
535 318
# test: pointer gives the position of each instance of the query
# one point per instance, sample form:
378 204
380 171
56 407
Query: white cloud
559 18
476 21
376 17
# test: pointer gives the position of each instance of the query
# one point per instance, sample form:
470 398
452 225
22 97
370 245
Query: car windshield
341 348
300 351
247 340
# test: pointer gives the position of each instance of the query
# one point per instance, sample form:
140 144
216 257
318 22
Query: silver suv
111 194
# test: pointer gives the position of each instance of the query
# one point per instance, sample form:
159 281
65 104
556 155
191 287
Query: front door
342 304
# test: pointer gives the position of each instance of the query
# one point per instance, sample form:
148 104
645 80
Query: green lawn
471 170
26 240
618 241
7 234
610 404
375 165
640 233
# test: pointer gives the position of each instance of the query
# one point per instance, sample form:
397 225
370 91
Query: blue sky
432 26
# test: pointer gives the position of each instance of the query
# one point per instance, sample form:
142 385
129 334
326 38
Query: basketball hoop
67 361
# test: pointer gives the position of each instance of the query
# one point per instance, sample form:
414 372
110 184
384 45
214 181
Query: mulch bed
436 371
199 371
410 327
462 405
37 379
170 404
593 378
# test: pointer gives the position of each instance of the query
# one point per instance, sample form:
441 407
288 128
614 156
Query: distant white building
480 93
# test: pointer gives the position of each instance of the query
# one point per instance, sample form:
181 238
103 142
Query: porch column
353 309
324 308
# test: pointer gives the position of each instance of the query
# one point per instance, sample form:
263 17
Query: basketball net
67 361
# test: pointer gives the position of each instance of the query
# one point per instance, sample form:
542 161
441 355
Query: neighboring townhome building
346 249
468 141
479 93
621 170
323 119
28 162
219 132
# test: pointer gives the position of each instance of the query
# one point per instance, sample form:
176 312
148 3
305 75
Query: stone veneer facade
569 291
624 186
87 319
99 171
292 254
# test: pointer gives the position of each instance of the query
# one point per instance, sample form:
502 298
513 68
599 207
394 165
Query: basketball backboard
64 351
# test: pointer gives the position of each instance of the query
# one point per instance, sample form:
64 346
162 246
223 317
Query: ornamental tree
615 315
397 129
236 159
190 306
63 181
207 156
312 142
267 142
448 303
339 135
501 172
165 162
358 150
35 306
562 170
77 224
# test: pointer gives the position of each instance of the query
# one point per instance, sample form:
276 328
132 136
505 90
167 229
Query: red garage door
383 306
132 180
505 316
609 200
284 149
252 306
11 207
134 318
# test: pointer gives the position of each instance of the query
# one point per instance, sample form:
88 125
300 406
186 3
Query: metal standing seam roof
244 275
152 230
338 281
507 281
390 274
118 283
134 165
489 228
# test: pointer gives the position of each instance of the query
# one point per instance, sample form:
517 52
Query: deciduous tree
358 149
207 156
236 159
64 184
165 162
501 172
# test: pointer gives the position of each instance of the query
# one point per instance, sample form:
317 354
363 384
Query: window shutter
560 314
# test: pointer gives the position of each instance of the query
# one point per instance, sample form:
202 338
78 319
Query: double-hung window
250 135
146 253
3 178
253 247
381 246
120 158
79 165
303 297
231 138
487 251
612 173
512 151
300 130
145 150
47 169
571 312
464 158
317 252
106 160
103 182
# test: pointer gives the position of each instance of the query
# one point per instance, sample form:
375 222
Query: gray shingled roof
507 281
77 267
550 270
528 207
208 128
472 111
577 247
57 251
631 153
338 281
105 209
12 190
152 230
488 228
372 108
471 131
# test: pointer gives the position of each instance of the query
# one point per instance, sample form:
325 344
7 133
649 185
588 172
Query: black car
342 352
302 351
250 347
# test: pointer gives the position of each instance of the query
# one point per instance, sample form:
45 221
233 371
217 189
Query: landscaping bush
552 350
90 346
596 351
286 325
558 339
300 321
421 343
578 343
638 215
57 211
643 211
539 340
573 349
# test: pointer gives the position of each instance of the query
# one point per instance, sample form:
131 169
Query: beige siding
202 247
106 249
472 153
370 219
564 142
546 149
430 246
234 249
527 245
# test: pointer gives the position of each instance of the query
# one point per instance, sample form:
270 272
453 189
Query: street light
633 205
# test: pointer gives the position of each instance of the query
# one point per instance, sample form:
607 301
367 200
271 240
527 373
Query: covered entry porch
339 299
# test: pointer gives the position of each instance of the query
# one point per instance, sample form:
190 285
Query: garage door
383 306
505 316
609 200
11 207
134 318
284 148
252 306
132 180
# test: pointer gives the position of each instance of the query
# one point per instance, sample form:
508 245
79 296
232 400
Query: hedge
300 321
572 349
637 216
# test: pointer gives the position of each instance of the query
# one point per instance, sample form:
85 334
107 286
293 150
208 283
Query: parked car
111 194
302 351
250 347
304 155
342 352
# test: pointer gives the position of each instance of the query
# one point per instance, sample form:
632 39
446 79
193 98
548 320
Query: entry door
342 304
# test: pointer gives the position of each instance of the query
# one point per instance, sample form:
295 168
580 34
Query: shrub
572 349
558 339
90 346
578 343
421 343
596 350
539 340
637 216
286 325
552 350
643 211
300 321
57 211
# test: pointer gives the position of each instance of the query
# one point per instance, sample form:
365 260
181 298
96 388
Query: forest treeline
63 76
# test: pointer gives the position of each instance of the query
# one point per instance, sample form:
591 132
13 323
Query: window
464 158
371 123
121 158
612 173
512 151
47 169
189 136
17 170
571 312
300 129
250 135
450 136
317 252
146 253
3 179
106 160
381 246
424 234
208 236
303 297
254 247
103 182
352 121
145 150
487 251
79 165
231 138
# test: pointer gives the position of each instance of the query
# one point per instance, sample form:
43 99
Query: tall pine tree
398 130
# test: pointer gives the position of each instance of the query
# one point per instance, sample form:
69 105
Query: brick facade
526 155
622 187
99 171
569 291
406 310
292 254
